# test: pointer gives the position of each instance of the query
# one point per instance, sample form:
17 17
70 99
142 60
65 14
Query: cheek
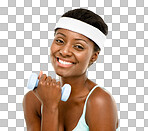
84 60
53 49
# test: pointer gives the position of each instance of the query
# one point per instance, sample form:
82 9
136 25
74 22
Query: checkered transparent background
26 33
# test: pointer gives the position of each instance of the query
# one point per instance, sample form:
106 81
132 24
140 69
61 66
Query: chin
62 74
70 74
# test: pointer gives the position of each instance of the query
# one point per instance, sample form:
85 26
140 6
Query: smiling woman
79 37
68 50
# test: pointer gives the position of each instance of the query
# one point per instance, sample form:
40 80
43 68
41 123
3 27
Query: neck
77 83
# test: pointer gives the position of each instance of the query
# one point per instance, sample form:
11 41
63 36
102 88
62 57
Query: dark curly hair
88 17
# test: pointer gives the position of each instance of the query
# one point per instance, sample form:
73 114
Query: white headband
83 28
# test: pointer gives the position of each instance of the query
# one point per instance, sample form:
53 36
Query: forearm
49 119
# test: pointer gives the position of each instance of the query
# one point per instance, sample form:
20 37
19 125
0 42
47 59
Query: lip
64 65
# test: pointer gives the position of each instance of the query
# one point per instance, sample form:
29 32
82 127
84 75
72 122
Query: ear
94 57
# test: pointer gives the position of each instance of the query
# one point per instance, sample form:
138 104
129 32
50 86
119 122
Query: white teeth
64 62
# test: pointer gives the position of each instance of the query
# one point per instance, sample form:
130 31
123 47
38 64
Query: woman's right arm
48 93
32 109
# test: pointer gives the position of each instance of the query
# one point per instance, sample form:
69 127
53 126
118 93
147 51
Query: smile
63 63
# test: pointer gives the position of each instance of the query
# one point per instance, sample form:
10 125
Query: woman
79 36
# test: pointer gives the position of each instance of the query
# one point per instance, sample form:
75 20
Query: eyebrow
60 34
82 40
75 39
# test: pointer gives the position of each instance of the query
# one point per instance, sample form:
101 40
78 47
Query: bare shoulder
32 111
101 110
31 101
101 96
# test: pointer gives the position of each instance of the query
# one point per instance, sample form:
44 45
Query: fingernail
40 74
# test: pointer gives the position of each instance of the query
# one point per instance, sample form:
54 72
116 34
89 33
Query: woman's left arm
101 111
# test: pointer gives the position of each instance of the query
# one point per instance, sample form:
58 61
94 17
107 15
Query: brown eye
79 47
59 41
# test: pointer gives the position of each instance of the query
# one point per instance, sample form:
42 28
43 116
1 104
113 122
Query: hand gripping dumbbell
33 82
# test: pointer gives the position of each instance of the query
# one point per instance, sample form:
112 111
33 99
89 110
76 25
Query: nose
65 51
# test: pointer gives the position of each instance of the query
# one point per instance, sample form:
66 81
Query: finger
58 84
40 74
48 80
43 77
53 82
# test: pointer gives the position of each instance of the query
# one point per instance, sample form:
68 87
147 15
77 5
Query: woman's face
71 53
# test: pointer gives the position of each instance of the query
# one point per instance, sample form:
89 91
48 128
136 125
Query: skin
101 111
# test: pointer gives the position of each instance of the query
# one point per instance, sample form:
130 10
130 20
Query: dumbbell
33 83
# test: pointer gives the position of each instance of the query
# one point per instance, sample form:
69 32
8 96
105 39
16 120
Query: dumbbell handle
33 82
